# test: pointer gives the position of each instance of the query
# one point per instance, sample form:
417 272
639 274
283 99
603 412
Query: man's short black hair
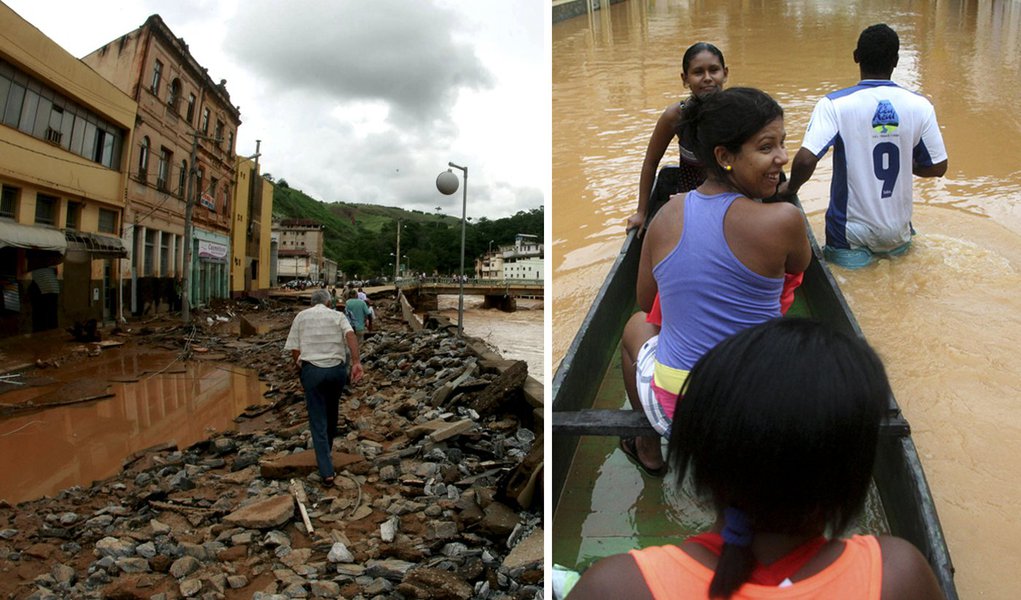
878 48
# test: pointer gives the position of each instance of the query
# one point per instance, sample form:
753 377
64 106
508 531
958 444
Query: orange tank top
857 574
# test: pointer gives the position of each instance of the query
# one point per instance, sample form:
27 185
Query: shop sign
212 250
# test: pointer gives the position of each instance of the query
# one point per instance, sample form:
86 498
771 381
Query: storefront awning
99 246
17 235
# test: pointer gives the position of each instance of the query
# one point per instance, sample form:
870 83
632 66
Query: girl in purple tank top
717 256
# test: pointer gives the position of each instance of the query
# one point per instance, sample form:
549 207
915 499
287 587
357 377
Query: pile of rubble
438 493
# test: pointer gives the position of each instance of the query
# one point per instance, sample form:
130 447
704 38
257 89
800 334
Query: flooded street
148 399
943 317
228 503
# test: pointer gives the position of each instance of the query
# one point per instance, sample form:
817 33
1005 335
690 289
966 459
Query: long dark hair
727 118
781 421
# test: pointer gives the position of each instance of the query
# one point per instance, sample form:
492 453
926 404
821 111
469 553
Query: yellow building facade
64 135
251 231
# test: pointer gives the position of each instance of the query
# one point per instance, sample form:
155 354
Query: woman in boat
727 271
778 429
703 71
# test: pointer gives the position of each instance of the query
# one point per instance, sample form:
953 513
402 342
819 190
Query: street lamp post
189 207
446 183
397 259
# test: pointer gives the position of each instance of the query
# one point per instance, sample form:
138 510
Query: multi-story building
523 260
250 235
64 134
182 147
299 250
490 265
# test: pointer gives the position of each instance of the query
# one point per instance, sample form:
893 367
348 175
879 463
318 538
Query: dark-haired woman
703 71
726 272
778 429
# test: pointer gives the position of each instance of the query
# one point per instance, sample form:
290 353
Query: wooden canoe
907 503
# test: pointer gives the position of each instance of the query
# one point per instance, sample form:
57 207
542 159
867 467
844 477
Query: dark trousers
322 398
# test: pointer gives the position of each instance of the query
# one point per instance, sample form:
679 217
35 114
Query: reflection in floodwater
153 400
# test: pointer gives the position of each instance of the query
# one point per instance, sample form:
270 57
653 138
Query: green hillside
362 238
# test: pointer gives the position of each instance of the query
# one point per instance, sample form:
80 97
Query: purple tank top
705 292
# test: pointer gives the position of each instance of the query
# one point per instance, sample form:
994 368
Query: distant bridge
498 293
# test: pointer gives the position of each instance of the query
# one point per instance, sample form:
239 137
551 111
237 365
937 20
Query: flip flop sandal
630 450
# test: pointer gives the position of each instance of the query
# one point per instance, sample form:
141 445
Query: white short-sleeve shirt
878 130
319 333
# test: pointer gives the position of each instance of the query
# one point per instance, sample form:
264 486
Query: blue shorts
857 258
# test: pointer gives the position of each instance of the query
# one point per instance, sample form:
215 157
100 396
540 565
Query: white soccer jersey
878 130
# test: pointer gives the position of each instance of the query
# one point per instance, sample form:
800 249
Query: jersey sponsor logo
885 120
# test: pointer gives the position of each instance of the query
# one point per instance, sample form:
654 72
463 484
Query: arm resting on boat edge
660 140
645 284
802 168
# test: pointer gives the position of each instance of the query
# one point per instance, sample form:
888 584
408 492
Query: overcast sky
361 101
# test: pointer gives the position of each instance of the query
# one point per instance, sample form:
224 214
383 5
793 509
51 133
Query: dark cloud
401 53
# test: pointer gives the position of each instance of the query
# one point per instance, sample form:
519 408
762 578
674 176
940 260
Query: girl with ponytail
777 428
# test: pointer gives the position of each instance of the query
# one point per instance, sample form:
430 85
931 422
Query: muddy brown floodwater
516 335
148 399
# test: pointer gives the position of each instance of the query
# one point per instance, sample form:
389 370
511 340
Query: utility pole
189 207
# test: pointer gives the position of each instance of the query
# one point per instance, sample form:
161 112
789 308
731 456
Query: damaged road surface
438 493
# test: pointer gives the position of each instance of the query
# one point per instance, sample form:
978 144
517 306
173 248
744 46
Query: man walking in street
316 341
881 134
358 312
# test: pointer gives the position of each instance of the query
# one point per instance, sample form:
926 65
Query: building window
230 143
150 252
219 132
165 254
9 202
36 109
143 159
107 220
191 108
103 152
14 96
46 209
157 73
226 199
212 192
29 108
163 173
74 216
205 120
54 133
182 178
175 94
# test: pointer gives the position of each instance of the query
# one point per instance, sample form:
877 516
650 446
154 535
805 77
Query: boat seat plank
629 423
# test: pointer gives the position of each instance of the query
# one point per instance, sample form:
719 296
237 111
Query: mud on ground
438 493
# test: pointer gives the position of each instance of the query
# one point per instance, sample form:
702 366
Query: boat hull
898 475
